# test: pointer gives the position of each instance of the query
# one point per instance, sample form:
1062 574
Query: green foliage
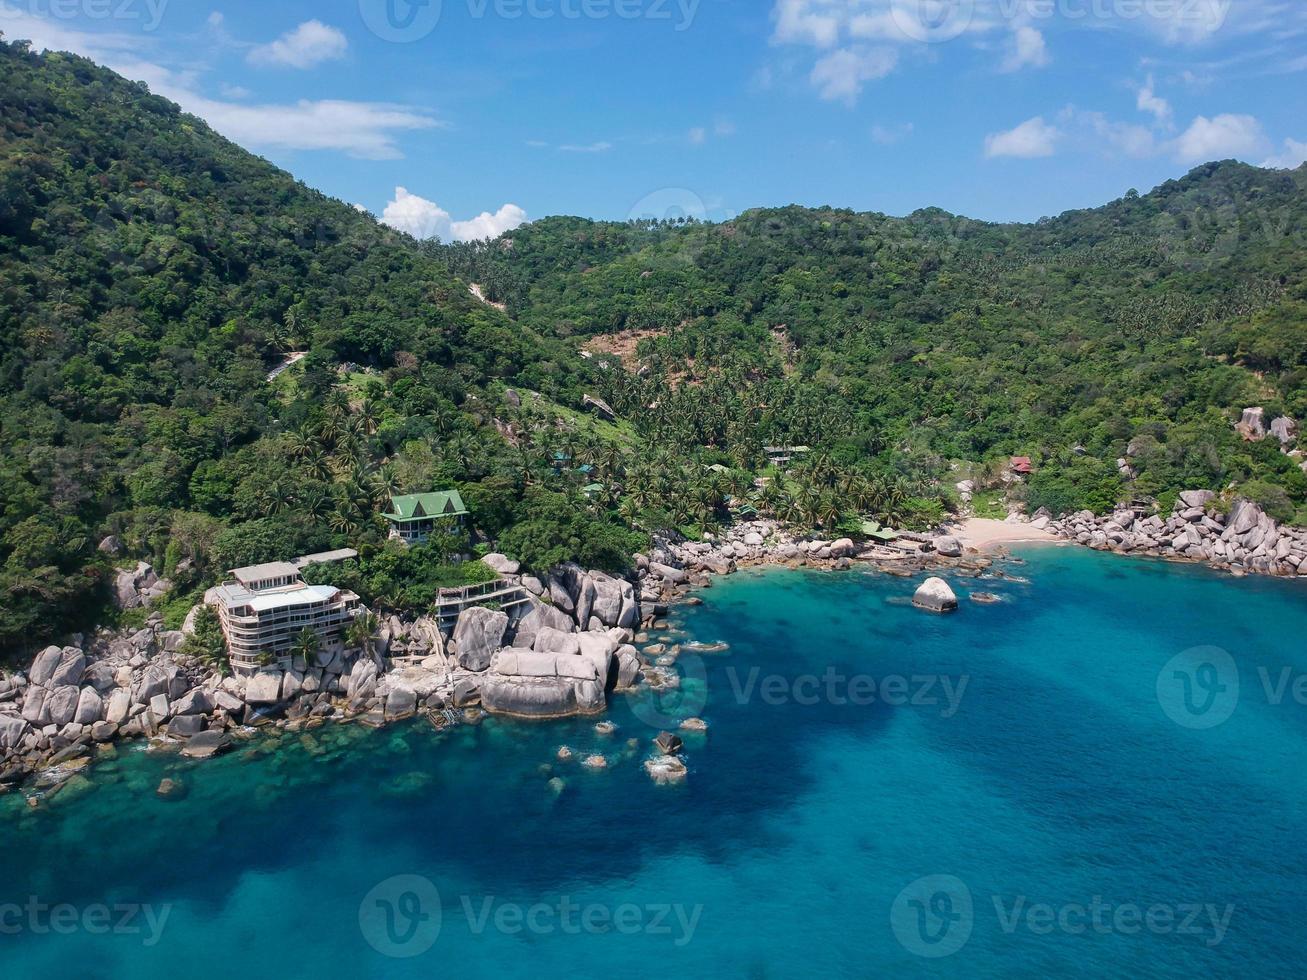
207 643
554 529
402 579
1077 484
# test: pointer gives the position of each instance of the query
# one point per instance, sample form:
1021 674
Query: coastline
72 706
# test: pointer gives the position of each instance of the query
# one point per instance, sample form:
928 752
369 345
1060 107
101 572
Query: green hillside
152 275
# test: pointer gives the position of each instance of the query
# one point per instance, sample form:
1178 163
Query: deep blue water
1071 816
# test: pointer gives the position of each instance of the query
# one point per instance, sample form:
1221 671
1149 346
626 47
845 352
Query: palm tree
359 633
306 646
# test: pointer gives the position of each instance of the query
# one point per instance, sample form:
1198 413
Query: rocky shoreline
580 638
583 637
1244 541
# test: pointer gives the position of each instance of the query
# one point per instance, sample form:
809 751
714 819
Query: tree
207 643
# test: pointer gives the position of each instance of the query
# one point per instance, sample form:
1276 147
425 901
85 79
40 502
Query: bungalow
414 517
1022 466
265 608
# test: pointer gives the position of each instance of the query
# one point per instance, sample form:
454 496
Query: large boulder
667 573
131 583
935 595
264 688
362 683
45 664
1244 516
948 546
479 633
12 731
628 667
1284 429
119 706
193 702
205 745
89 707
1252 425
547 697
540 617
34 708
550 640
608 598
1191 499
61 705
502 564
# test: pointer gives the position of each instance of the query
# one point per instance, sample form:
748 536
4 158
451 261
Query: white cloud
367 130
889 135
234 91
798 22
603 146
1293 157
425 219
310 44
487 225
724 127
216 19
417 216
1149 101
1122 138
841 74
1033 138
698 136
1220 138
1026 49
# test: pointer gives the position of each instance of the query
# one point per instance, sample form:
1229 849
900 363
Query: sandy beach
981 533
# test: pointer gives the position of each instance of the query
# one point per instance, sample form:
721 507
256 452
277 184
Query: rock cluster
1243 540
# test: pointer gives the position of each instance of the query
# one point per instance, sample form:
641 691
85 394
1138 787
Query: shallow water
1035 761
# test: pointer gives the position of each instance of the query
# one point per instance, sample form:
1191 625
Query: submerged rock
666 769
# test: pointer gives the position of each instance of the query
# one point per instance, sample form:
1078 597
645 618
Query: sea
1102 773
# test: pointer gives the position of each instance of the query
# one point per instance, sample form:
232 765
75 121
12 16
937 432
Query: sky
465 118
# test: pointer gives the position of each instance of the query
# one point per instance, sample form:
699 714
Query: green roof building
414 517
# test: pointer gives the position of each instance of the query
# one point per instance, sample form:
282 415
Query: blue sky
490 112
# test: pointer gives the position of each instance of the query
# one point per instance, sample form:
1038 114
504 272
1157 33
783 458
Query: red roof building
1022 465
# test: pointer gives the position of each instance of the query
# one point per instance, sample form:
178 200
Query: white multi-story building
265 608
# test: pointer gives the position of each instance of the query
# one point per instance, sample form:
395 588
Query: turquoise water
1057 777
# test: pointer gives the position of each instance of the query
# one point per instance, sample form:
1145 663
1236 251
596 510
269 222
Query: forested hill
1144 325
151 274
